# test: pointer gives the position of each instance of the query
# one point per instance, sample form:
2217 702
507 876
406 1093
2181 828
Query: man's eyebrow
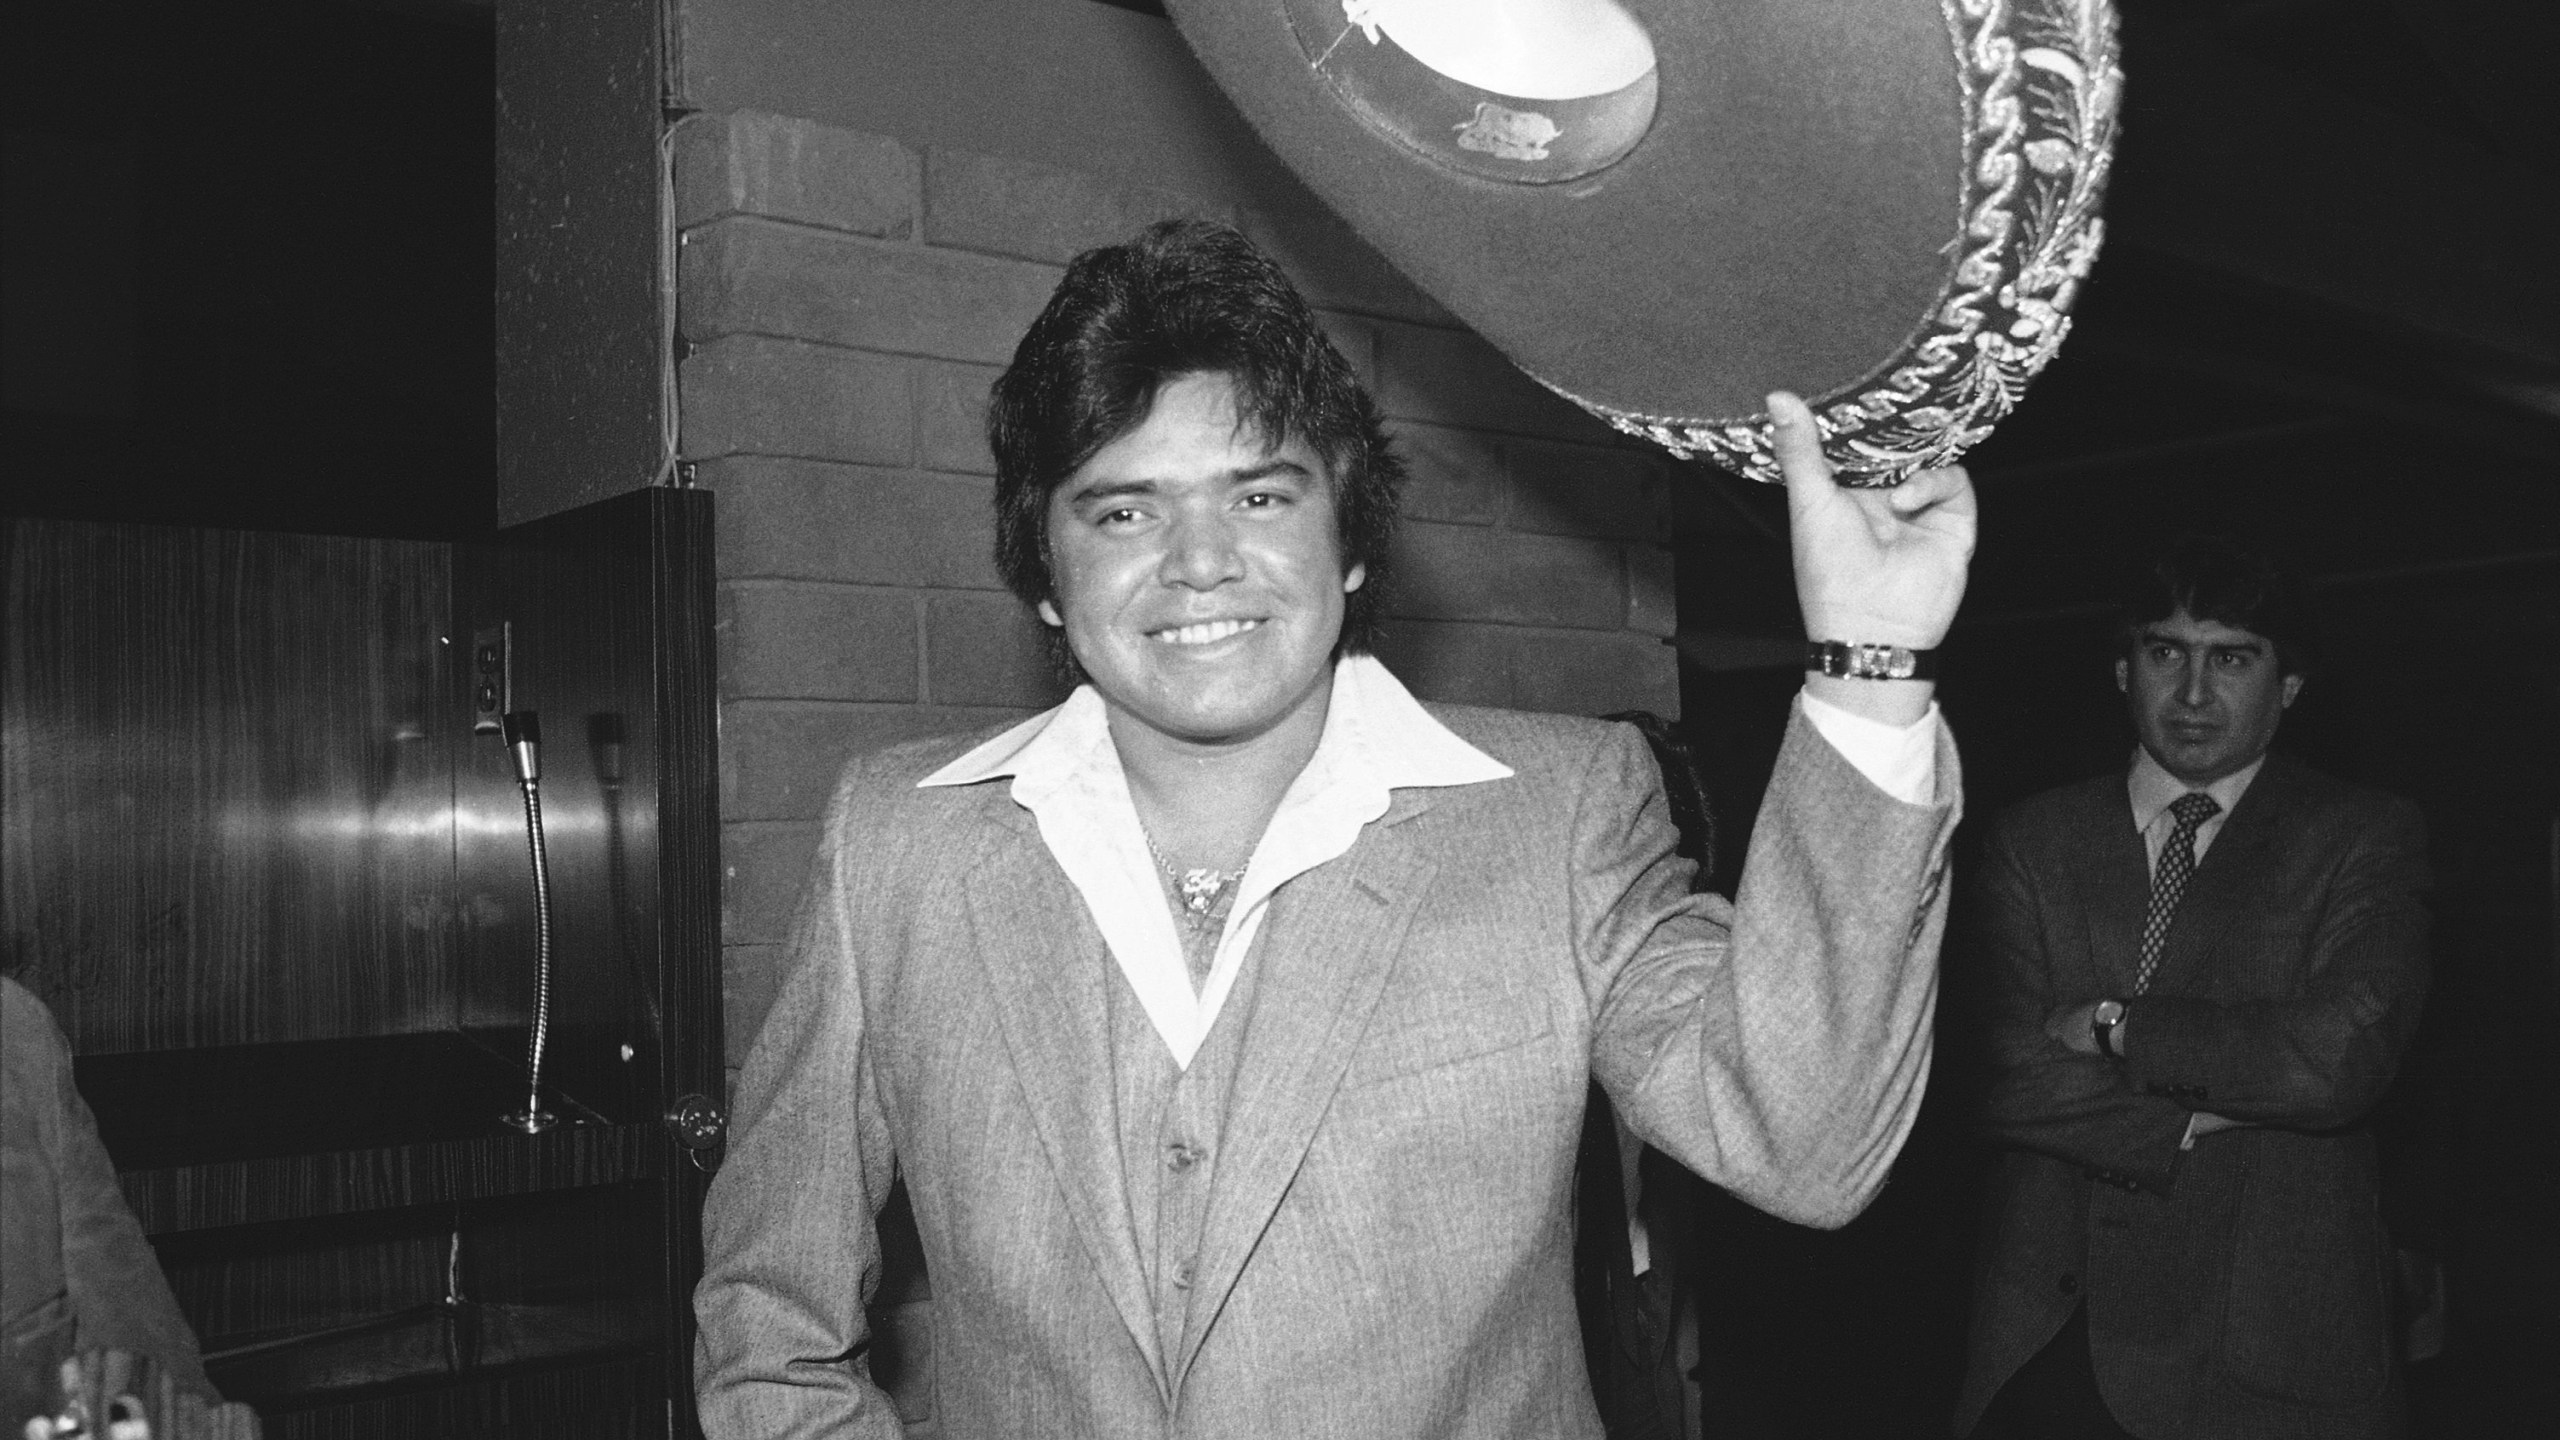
2253 645
1267 469
1110 490
1241 475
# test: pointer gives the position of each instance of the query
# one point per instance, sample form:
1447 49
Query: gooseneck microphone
523 730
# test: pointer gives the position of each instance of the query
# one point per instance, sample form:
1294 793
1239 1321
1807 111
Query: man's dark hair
1186 297
2216 577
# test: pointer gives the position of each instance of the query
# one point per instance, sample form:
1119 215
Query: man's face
1197 572
2205 696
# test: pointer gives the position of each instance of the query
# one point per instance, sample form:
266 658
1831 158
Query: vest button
2070 1284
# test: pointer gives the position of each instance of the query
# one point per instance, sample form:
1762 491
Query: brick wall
845 302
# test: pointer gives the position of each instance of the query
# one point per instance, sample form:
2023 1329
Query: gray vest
1172 1125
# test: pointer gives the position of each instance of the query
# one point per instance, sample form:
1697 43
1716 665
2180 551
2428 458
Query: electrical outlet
493 676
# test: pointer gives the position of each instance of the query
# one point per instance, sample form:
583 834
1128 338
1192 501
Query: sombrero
1664 209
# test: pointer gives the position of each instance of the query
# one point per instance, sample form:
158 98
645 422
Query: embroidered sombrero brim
1883 205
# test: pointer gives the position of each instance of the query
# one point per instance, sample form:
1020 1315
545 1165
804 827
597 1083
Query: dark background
248 265
2395 432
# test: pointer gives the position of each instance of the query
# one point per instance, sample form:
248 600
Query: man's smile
1203 632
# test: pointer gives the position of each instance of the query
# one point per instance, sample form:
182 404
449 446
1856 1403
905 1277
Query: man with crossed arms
2202 972
1230 1024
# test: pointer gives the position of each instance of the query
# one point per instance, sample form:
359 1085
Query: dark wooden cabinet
277 891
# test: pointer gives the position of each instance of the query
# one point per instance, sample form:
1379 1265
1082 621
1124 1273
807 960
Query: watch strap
1849 660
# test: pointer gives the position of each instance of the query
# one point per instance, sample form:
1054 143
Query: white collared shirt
1377 739
2153 790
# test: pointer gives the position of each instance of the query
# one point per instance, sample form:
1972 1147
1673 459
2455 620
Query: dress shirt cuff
2188 1140
1900 760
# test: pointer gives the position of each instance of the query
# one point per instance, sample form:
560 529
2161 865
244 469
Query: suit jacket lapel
2115 891
1331 955
1046 968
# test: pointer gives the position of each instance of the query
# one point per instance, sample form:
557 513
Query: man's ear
1049 614
2292 687
2124 677
1355 577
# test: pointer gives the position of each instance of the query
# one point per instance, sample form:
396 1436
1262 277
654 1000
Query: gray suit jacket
1387 1245
76 1274
2238 1290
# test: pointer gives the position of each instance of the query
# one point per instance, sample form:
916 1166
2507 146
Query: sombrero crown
1663 209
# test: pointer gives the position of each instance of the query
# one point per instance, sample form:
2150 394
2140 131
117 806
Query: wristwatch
1841 659
2104 1017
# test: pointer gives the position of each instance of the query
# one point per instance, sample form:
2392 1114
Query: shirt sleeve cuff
1900 760
2188 1140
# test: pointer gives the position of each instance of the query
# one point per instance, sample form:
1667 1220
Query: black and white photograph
1280 720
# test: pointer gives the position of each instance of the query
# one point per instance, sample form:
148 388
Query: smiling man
1230 1024
2204 971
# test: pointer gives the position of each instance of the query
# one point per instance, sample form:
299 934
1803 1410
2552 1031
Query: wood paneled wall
228 781
610 611
278 893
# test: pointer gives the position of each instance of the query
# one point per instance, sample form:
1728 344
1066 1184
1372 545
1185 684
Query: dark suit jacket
2239 1289
1387 1244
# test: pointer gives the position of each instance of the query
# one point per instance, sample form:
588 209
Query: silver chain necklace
1200 888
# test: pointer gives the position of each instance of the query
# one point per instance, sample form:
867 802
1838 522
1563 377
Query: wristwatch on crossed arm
2105 1018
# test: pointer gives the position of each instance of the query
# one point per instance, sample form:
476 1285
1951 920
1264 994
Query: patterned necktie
2169 881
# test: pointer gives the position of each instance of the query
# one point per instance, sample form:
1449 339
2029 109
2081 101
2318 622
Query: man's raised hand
1873 567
